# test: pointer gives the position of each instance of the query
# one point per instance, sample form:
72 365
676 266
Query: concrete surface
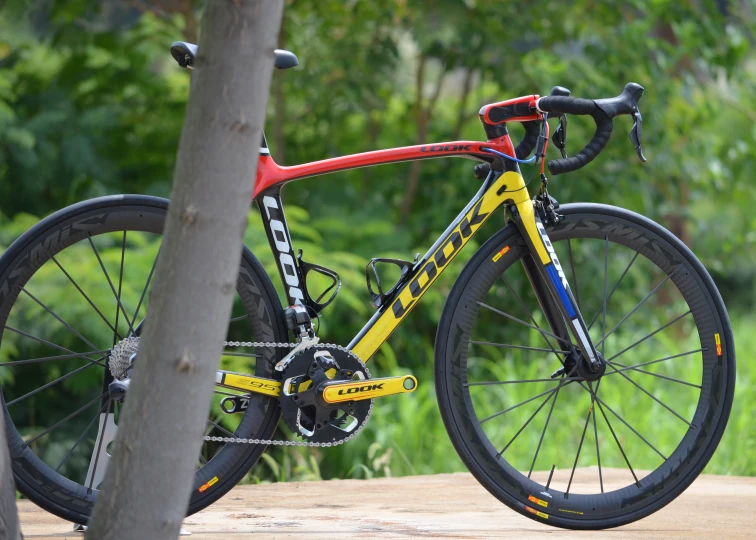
440 506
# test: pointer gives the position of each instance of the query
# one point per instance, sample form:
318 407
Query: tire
598 235
29 264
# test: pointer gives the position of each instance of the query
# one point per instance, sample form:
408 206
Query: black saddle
185 53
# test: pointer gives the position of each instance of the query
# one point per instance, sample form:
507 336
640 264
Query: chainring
302 409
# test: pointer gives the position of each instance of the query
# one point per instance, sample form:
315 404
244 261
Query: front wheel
560 449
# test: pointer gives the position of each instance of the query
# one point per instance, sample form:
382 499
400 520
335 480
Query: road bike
584 394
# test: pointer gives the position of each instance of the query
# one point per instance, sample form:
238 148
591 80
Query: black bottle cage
379 298
305 268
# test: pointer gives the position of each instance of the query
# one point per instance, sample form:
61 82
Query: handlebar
602 111
529 110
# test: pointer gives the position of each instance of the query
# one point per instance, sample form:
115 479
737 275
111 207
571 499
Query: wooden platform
440 506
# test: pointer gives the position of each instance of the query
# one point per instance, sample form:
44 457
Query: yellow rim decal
570 511
539 502
207 484
509 186
499 254
719 344
536 512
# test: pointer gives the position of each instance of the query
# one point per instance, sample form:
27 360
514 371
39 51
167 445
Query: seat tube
551 277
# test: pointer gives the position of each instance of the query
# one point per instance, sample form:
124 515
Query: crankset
304 409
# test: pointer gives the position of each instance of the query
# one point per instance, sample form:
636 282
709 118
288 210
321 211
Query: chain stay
261 344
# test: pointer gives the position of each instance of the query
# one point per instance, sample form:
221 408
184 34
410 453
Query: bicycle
679 376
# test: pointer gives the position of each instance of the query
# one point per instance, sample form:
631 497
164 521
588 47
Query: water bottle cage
305 268
380 298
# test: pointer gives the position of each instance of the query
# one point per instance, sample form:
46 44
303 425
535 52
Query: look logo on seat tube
449 248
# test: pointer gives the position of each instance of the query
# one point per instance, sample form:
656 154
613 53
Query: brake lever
559 139
636 134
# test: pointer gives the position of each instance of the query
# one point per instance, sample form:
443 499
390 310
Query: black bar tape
578 106
528 142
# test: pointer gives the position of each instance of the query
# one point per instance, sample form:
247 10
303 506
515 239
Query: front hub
577 365
585 369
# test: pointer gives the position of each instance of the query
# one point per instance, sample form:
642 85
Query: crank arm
339 392
247 383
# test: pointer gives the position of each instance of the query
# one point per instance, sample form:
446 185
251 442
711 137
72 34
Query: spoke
659 360
112 288
598 454
81 437
545 401
66 419
255 355
601 341
543 433
56 381
614 288
87 298
48 358
552 390
673 321
40 340
221 428
120 282
574 275
146 286
239 318
649 394
505 346
64 323
637 482
625 368
582 438
530 316
515 319
602 402
603 322
487 383
202 459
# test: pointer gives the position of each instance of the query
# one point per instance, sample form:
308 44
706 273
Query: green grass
406 436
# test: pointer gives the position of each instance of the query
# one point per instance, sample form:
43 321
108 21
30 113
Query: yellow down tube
510 186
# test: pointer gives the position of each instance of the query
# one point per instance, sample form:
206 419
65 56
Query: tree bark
146 490
9 528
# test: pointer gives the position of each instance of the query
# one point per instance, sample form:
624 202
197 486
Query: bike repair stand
98 464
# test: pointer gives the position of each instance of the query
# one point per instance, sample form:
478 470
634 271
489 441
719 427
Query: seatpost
264 151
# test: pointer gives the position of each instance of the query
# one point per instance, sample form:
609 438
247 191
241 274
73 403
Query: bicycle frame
500 188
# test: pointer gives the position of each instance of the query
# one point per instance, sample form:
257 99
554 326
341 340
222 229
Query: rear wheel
72 288
556 447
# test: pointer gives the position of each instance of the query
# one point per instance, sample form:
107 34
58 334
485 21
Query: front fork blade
549 308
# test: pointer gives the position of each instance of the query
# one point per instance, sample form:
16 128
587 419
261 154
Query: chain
272 442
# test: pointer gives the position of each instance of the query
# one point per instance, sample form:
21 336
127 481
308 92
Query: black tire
256 297
459 359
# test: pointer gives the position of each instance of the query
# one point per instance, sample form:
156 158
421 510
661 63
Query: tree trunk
8 515
146 489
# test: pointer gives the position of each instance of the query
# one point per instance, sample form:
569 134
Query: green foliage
91 103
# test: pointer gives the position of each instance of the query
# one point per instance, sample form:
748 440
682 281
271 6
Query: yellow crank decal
238 381
510 186
369 389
